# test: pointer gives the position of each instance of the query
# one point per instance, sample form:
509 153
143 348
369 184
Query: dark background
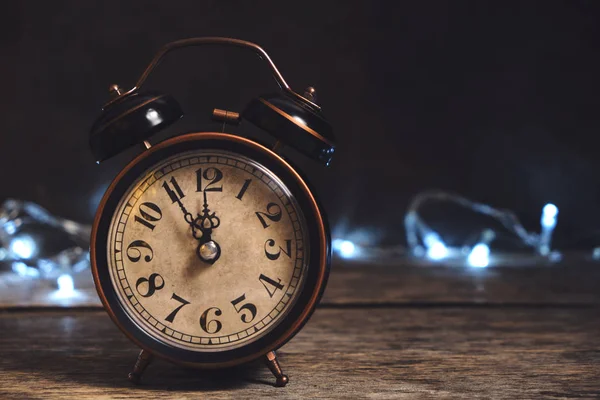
497 101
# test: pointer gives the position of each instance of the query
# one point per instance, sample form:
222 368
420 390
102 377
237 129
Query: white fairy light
66 286
479 257
23 247
436 249
423 241
344 248
22 269
347 249
548 223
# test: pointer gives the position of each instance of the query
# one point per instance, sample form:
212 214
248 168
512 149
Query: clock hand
208 250
189 218
213 220
207 221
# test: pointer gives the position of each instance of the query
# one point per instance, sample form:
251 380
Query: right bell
294 120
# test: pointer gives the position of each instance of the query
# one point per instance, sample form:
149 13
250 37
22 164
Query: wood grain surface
365 284
380 333
343 353
361 283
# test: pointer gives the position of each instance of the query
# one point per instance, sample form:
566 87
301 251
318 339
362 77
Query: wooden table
381 332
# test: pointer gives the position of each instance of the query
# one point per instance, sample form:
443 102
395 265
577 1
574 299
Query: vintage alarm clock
210 249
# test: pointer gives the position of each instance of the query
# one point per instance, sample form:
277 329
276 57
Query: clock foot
144 359
273 364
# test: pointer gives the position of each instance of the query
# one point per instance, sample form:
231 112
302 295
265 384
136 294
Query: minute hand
207 221
189 218
208 250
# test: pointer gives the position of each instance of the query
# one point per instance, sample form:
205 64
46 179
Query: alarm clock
210 249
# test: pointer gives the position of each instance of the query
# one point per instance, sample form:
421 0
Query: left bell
131 120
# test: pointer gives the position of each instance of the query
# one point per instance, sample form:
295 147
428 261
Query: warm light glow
479 256
153 116
23 247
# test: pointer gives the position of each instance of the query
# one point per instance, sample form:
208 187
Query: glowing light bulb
548 222
10 227
549 214
153 116
436 249
347 249
23 247
66 287
479 257
22 269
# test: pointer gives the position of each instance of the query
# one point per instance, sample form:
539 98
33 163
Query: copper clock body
310 283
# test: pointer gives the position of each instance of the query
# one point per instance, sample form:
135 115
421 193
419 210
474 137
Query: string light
419 234
21 269
548 223
23 247
66 286
345 248
479 257
436 249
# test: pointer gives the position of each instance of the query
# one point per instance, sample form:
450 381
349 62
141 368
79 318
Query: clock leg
144 359
273 364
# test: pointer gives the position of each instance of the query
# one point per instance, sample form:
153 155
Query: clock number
134 253
243 189
274 256
265 280
152 284
176 193
210 174
183 302
205 324
248 306
150 213
273 213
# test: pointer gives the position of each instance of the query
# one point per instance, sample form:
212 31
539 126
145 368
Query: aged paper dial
207 251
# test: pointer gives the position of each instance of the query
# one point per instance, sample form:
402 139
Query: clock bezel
317 267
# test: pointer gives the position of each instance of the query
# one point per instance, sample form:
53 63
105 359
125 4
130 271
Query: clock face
207 251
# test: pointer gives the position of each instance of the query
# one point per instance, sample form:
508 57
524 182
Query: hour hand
208 250
208 221
189 218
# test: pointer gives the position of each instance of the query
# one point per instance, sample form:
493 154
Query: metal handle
202 41
212 40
